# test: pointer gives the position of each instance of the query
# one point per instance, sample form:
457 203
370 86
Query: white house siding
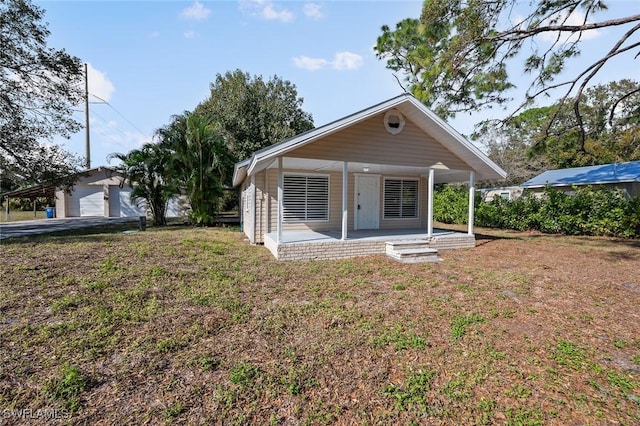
369 142
259 203
247 205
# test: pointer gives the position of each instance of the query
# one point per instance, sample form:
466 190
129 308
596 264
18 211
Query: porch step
411 251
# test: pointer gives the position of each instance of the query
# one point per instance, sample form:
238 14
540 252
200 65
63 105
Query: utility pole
86 116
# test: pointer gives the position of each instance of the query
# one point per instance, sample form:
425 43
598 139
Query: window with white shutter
305 198
400 198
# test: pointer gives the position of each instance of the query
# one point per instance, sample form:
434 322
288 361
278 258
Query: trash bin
50 212
142 223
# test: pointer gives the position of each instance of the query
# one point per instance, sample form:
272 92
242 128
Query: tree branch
516 34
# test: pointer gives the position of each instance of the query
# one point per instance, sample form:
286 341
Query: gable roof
591 175
407 104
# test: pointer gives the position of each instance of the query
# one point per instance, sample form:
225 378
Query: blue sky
152 59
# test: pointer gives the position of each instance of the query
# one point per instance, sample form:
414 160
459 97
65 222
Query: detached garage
97 193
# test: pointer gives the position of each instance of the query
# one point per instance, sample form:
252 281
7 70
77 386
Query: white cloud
266 10
196 11
154 34
189 34
99 84
271 13
347 61
341 61
313 11
310 64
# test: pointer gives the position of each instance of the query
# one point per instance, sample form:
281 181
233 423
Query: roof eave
464 142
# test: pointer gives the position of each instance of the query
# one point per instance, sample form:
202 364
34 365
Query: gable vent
393 121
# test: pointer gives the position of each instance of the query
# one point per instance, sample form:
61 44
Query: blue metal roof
592 175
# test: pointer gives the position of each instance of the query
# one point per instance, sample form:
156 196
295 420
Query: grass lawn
195 326
16 215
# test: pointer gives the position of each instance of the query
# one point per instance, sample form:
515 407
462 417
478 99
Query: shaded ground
184 325
46 226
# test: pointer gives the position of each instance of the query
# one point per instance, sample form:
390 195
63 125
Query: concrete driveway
43 226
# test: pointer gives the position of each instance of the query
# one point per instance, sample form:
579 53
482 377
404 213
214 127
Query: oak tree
39 87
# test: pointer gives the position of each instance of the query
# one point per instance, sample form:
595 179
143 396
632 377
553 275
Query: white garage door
121 205
173 208
86 201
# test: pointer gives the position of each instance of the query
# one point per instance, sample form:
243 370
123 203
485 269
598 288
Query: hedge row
586 211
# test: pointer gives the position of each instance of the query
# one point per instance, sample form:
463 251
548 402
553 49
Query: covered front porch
350 187
314 245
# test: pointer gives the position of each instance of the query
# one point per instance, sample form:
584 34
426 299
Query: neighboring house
342 189
623 176
97 192
506 192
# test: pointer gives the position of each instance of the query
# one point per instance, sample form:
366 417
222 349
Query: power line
94 113
120 114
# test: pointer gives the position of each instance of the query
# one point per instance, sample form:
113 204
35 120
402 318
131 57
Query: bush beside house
586 211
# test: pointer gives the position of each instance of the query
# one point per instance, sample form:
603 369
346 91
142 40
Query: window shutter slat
400 198
305 198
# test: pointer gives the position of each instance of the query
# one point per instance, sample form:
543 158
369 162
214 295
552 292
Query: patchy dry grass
17 215
184 325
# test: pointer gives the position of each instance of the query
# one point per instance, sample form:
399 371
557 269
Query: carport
31 193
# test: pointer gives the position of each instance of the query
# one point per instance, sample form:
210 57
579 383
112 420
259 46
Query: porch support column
430 203
253 205
345 181
472 196
280 206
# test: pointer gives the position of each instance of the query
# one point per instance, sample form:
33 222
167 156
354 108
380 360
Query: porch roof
408 105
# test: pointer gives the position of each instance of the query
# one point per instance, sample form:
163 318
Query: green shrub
585 211
451 204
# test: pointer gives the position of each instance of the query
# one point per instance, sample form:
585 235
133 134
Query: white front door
367 202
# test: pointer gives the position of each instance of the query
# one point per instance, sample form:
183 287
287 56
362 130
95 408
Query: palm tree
199 160
146 171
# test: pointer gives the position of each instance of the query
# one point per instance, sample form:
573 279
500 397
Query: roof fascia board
239 172
457 136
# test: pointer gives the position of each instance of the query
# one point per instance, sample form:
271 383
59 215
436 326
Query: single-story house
349 187
97 192
508 193
623 176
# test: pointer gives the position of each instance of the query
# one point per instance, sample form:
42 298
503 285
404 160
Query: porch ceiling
442 173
